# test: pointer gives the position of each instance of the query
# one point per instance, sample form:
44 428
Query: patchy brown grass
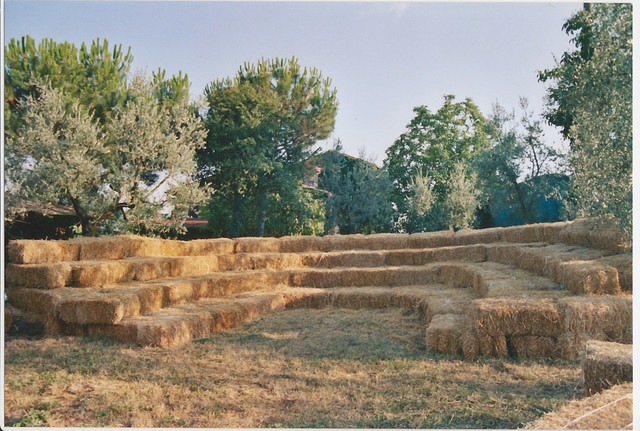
329 368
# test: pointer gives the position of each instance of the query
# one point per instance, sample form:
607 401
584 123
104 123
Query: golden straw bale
590 278
108 247
369 297
458 275
609 314
227 262
577 233
478 343
38 276
364 277
515 316
551 231
465 253
528 233
386 241
431 239
301 297
571 345
472 236
611 409
532 346
411 275
206 247
606 364
444 333
257 245
360 259
85 306
322 278
508 254
623 263
42 251
38 305
408 257
193 266
101 273
303 244
608 236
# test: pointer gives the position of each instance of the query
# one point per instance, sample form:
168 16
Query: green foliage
590 96
461 202
262 126
95 76
359 193
517 155
137 169
432 146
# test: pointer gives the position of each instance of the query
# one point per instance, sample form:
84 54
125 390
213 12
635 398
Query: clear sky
384 58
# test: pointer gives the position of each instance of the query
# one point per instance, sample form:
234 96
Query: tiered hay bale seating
537 290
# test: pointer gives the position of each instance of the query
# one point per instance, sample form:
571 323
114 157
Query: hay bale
207 247
38 276
42 251
532 346
611 315
508 254
306 298
430 239
458 275
606 364
472 236
478 343
364 277
320 278
529 233
411 275
409 257
102 273
193 266
256 245
303 244
38 305
465 253
506 316
590 278
608 236
571 345
444 333
623 263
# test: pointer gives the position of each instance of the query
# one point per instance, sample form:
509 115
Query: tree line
130 151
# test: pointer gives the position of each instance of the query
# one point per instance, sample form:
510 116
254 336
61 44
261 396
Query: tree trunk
261 205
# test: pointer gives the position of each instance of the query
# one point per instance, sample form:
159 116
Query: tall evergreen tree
262 126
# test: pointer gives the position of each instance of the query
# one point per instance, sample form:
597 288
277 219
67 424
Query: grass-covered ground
331 368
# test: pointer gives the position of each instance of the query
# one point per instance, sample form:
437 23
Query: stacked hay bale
606 365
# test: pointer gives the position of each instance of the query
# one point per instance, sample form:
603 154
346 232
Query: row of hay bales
581 233
551 327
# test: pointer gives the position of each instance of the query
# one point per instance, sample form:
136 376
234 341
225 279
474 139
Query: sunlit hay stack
609 314
507 316
38 276
383 241
193 266
532 346
611 409
444 333
530 233
469 253
259 261
306 297
206 247
85 306
590 278
624 265
38 305
606 364
458 275
469 236
477 343
590 233
257 245
303 244
357 259
508 254
412 275
41 251
438 299
430 239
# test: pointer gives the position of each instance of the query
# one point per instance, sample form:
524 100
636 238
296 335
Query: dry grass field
333 368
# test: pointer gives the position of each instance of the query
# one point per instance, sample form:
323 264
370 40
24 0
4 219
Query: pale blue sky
384 58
